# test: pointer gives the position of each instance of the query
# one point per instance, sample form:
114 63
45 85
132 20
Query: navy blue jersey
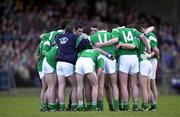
67 51
68 48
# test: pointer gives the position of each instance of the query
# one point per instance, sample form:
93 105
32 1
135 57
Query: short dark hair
87 30
94 25
69 27
78 25
139 24
102 26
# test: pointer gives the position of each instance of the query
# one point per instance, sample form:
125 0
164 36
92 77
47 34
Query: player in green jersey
49 64
154 62
85 65
128 61
110 65
153 57
44 46
146 67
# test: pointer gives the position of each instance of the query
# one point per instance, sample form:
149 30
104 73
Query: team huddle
98 62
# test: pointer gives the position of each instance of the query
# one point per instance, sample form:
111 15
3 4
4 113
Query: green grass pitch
28 106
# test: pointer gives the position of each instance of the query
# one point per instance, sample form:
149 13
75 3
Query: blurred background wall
22 21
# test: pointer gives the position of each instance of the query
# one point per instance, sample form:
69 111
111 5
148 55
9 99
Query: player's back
67 51
103 36
130 36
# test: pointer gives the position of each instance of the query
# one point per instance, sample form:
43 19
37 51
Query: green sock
62 106
126 106
120 104
89 105
45 104
145 106
81 107
94 106
154 106
44 107
52 106
74 106
110 106
116 104
100 105
135 105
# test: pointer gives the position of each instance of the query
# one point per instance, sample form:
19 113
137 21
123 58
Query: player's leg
145 70
61 85
100 92
154 90
120 95
134 69
150 94
123 78
44 99
61 92
43 96
124 66
88 90
134 91
52 81
143 80
154 95
72 80
108 90
110 70
94 83
80 86
115 91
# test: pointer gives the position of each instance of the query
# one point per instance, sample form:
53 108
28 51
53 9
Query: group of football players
98 61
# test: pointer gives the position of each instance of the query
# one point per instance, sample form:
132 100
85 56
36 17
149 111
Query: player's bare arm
144 40
108 43
127 46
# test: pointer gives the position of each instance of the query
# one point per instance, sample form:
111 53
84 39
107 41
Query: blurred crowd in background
22 21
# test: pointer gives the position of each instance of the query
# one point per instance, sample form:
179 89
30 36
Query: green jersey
142 50
44 46
48 39
103 36
126 35
53 34
153 41
95 55
51 56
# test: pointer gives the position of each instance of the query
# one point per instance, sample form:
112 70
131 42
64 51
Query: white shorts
109 65
154 63
46 68
84 65
41 75
146 68
65 69
128 64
